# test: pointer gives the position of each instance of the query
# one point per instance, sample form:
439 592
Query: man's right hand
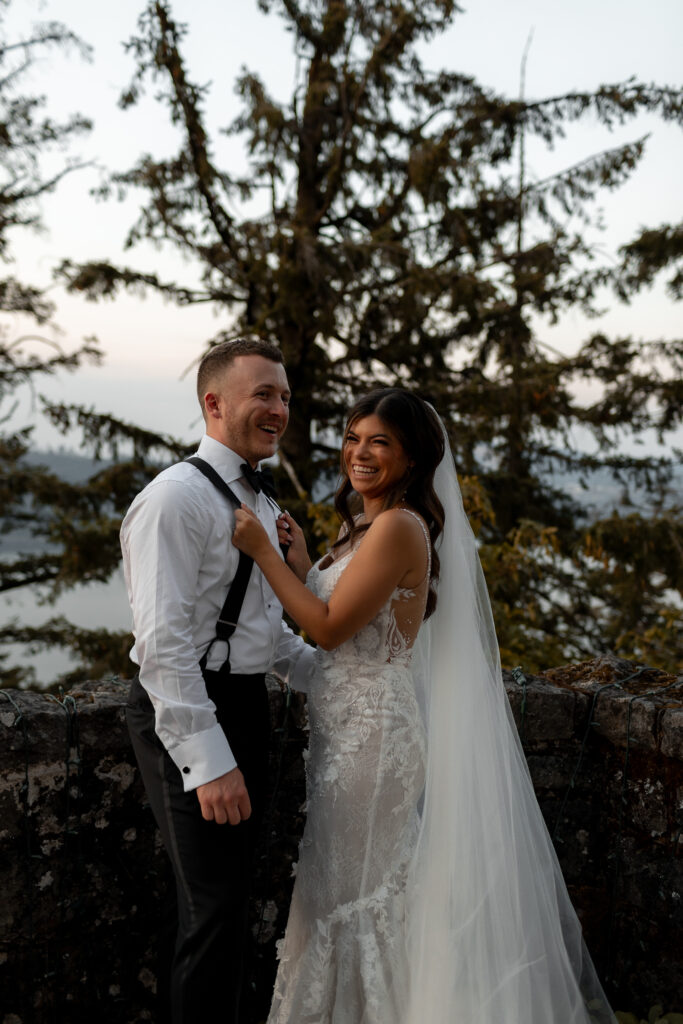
225 799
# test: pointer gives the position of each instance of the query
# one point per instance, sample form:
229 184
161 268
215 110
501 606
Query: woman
427 888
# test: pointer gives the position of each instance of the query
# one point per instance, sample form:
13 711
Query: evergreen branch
16 369
98 280
28 572
41 188
168 56
51 32
102 432
654 250
608 169
612 103
304 24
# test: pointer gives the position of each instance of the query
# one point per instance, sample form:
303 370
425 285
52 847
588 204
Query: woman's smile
374 457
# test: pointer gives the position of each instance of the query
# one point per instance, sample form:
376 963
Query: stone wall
83 873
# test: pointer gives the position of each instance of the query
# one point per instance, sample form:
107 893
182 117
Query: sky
150 344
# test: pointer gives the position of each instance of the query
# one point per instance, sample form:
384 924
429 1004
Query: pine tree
398 238
69 532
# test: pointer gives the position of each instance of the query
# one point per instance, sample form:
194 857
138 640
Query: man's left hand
225 799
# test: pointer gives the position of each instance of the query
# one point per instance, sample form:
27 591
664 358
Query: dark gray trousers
212 863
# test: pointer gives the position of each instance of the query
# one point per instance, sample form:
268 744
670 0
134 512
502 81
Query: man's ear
211 405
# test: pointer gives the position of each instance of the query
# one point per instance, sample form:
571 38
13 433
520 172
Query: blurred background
479 202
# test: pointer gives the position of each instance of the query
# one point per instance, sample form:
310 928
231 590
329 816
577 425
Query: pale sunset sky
148 344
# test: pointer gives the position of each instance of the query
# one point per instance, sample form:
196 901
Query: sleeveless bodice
364 778
388 637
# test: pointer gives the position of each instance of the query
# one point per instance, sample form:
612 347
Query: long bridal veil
492 935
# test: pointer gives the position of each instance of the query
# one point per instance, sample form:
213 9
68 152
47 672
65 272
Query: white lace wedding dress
343 958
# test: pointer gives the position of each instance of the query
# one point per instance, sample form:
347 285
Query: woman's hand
289 532
248 535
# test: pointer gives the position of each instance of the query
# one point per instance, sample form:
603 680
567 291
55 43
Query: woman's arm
392 552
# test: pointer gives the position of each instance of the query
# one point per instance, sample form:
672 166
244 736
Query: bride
427 888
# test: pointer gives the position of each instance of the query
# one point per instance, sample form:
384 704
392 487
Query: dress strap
425 531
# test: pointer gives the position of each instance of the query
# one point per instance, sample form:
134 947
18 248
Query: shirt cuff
203 757
300 678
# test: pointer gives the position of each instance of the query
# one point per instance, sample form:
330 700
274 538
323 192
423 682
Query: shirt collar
224 460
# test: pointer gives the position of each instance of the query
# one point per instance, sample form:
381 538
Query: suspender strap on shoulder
215 478
230 613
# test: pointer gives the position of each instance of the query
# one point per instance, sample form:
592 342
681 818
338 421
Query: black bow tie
259 479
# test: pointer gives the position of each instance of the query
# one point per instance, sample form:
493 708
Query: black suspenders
230 613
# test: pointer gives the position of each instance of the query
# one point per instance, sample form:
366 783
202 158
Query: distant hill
602 495
67 465
599 493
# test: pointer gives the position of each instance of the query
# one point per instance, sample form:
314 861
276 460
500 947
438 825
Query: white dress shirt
178 561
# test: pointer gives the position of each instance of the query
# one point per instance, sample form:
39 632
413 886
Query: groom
198 708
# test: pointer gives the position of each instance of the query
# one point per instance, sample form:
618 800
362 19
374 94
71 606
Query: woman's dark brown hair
417 428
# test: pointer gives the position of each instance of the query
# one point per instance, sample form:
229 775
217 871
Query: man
201 733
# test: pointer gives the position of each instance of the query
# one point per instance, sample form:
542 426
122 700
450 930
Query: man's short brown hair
218 358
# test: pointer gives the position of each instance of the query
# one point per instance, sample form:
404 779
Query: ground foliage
386 230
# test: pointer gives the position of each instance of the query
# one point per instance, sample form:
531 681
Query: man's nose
279 407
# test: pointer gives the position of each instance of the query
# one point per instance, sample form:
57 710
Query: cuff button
186 771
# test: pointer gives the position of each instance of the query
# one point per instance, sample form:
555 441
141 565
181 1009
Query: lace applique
344 954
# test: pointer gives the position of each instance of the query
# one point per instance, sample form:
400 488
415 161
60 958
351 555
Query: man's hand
225 799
